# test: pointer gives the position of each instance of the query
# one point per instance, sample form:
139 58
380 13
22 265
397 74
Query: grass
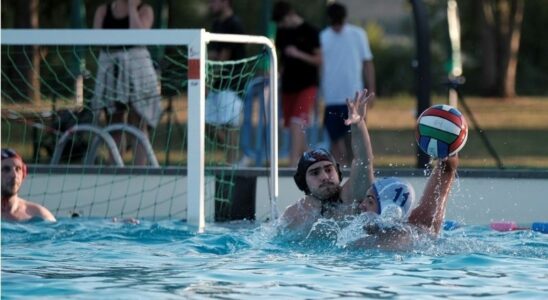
517 129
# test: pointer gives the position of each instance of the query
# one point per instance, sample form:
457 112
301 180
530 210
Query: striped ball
441 131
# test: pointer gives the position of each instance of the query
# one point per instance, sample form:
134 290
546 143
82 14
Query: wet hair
336 13
309 158
10 153
280 11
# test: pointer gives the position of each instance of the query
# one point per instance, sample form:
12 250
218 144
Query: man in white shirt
347 63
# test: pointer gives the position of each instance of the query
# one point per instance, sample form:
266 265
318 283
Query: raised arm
99 16
140 18
361 173
430 212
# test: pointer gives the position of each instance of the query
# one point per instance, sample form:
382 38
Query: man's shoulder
235 19
37 210
308 27
31 207
354 31
304 203
301 201
232 24
235 22
326 33
353 27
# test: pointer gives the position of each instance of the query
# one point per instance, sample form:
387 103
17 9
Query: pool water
100 259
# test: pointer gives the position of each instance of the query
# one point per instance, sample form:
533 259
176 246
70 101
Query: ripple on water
86 258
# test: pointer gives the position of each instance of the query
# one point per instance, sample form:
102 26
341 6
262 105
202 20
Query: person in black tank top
120 67
111 22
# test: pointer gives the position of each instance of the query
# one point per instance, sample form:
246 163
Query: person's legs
341 150
139 153
230 137
339 133
297 107
298 141
118 117
227 138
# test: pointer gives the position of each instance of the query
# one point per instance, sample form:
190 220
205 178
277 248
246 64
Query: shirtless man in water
15 208
427 217
319 176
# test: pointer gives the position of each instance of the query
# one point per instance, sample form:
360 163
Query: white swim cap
394 191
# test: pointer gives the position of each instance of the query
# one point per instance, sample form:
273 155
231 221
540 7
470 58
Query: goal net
132 123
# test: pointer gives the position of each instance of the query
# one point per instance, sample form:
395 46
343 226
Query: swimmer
393 192
392 198
15 208
319 176
388 195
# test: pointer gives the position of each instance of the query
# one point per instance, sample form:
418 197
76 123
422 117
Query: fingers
368 96
358 97
363 96
358 106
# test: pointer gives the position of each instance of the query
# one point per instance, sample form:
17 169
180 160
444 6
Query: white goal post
196 40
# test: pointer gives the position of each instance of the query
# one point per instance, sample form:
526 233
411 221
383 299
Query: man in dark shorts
298 45
347 67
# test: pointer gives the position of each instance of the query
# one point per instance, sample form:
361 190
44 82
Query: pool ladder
104 134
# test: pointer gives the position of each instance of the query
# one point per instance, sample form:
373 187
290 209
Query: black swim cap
309 158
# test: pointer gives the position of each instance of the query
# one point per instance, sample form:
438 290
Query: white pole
196 131
98 37
454 36
250 39
274 133
196 40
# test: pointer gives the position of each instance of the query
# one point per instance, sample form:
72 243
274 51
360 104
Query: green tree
24 14
500 27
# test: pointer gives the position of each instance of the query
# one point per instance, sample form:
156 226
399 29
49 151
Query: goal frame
196 40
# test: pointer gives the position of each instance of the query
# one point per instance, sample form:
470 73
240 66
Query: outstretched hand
357 108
